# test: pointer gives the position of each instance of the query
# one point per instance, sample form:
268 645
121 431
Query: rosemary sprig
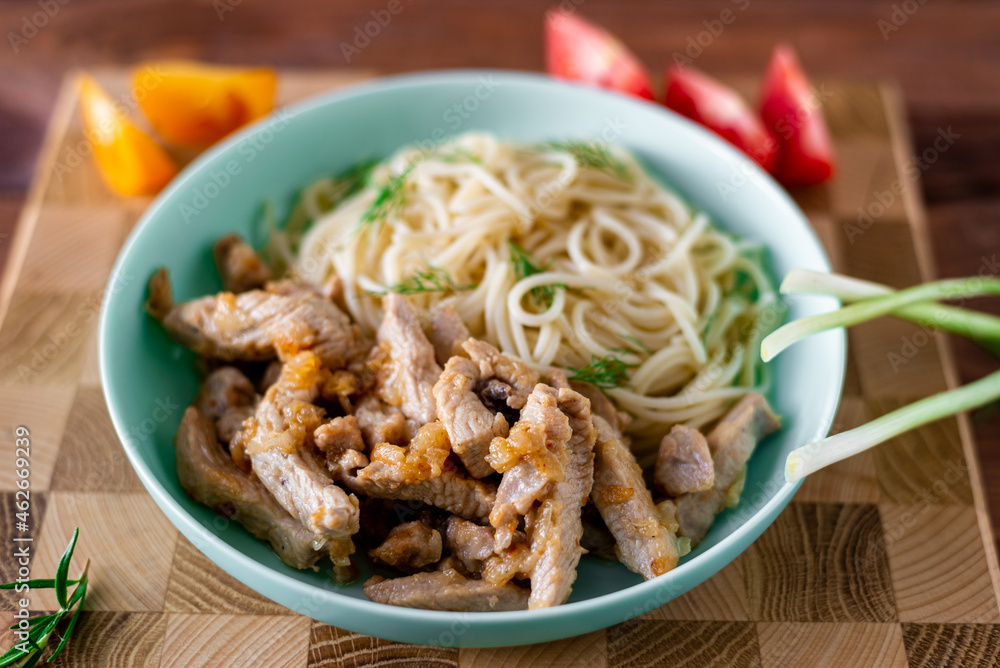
606 372
593 155
28 652
432 279
524 265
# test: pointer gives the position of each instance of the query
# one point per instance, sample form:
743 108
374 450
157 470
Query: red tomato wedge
581 51
793 112
719 108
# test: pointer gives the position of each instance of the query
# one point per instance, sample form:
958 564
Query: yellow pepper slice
193 105
128 159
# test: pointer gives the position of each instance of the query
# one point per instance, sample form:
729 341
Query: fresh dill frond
524 265
432 279
606 372
390 198
593 155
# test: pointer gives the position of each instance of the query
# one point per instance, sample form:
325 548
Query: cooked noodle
629 269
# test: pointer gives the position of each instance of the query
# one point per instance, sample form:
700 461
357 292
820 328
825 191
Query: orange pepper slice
194 105
128 159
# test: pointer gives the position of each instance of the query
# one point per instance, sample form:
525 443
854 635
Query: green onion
981 327
814 456
874 307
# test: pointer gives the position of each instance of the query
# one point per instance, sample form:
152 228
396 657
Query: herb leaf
63 569
432 279
390 198
524 265
606 372
28 652
593 155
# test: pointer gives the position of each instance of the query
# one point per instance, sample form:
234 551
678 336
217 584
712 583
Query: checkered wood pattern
885 559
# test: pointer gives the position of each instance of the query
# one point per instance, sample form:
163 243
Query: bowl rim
713 559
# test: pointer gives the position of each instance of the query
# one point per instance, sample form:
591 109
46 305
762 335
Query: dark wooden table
946 56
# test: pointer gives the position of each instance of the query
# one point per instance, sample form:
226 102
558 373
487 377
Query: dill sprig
606 372
390 198
28 652
432 279
524 265
593 155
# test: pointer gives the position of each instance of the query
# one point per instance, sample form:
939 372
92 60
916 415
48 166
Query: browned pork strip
684 463
531 458
340 440
520 378
409 547
625 504
258 324
404 362
239 265
451 491
210 477
420 472
277 440
446 590
732 443
471 425
556 528
468 542
448 333
381 423
227 398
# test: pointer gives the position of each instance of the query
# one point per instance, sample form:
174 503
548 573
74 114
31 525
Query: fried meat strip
732 442
555 528
211 478
684 462
259 324
448 333
278 441
420 472
446 590
530 458
239 265
471 425
642 543
227 398
404 363
410 547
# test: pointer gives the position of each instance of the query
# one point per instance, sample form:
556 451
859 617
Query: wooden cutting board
886 559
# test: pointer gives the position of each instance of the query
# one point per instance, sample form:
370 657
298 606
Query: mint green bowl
143 371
